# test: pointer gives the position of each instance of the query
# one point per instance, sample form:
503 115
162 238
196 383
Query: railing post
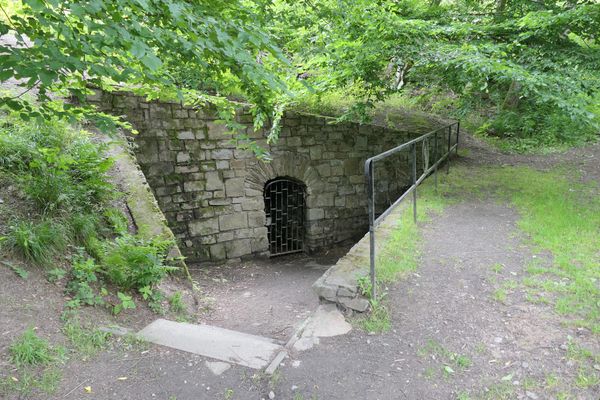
435 160
449 147
371 208
457 132
414 179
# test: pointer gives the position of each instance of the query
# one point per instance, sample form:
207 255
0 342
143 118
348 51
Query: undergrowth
69 222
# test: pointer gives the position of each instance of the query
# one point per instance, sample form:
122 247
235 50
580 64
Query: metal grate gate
284 207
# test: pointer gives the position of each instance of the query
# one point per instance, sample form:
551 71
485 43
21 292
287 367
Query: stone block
294 141
181 113
238 248
323 200
259 243
253 203
186 135
186 169
213 181
208 239
233 221
218 131
222 164
194 186
218 252
256 219
204 227
225 236
234 187
315 153
314 214
324 170
183 157
359 304
243 233
222 154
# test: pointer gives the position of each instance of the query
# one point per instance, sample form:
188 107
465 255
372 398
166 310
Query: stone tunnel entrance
285 215
223 203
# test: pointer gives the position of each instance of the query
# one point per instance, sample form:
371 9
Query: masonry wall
212 192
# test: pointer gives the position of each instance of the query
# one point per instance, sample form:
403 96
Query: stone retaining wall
212 192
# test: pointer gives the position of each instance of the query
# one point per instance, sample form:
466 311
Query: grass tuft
37 243
31 350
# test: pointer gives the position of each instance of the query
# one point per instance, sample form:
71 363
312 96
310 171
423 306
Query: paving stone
217 367
210 341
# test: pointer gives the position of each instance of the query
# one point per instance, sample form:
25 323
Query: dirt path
267 297
453 336
445 315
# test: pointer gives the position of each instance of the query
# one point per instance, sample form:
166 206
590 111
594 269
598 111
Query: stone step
210 341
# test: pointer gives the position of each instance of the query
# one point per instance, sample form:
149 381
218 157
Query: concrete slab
327 321
217 367
210 341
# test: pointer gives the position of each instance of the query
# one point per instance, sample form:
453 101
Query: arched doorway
284 208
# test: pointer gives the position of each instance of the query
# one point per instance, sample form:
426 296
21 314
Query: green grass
500 391
449 362
378 319
398 257
27 381
400 253
36 242
497 268
36 366
31 350
176 304
560 215
500 295
85 341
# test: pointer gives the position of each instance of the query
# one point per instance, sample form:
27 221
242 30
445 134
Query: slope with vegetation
524 73
62 220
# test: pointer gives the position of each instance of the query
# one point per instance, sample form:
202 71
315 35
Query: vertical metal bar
448 152
414 180
371 208
435 160
457 133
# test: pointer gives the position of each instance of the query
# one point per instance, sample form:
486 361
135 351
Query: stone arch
290 164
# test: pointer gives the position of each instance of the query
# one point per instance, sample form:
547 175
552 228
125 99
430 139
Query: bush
36 242
133 263
58 167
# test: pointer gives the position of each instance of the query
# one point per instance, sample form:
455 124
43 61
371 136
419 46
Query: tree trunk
511 101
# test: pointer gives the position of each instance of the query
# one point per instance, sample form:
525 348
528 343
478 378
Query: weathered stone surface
234 187
233 221
197 173
238 248
186 135
194 186
315 214
213 181
256 219
359 304
204 227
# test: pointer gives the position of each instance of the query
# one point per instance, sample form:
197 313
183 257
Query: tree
530 67
149 46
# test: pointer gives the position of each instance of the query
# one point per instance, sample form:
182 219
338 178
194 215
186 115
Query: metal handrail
370 178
